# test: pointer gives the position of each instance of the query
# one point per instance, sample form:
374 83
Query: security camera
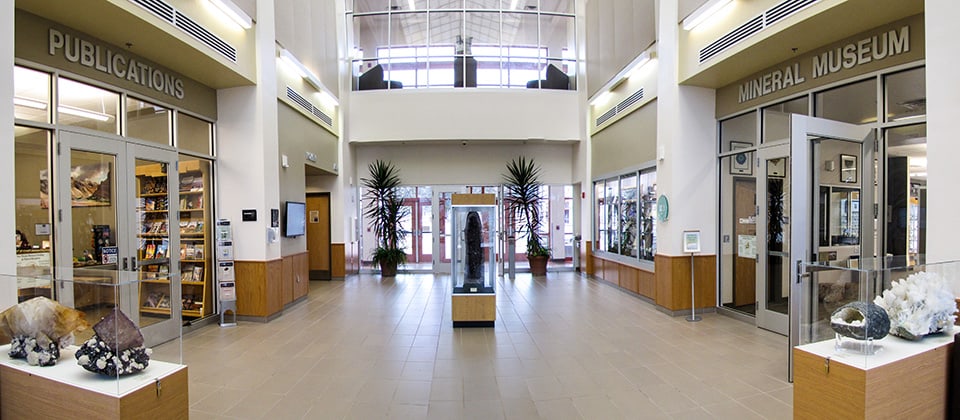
463 143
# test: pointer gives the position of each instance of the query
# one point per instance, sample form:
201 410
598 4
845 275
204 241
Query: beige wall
616 32
626 143
307 29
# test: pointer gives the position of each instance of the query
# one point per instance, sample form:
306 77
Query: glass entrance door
418 225
442 231
833 209
773 238
116 222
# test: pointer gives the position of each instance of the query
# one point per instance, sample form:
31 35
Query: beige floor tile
446 390
519 409
407 412
731 410
768 406
480 389
483 410
412 392
545 388
557 409
220 401
597 407
445 410
367 411
668 398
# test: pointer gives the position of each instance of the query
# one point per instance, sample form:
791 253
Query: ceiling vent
308 106
171 15
606 116
632 99
772 15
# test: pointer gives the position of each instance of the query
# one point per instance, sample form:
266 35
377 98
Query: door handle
133 263
124 263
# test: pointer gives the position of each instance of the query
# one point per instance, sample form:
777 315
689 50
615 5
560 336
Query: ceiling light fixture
703 13
29 103
642 60
233 12
301 69
412 4
513 4
85 113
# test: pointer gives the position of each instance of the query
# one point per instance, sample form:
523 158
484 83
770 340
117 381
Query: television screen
295 219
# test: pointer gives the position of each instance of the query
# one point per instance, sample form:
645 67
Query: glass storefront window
612 191
194 134
195 210
147 121
738 132
648 213
776 118
31 97
32 201
854 103
599 214
905 95
625 211
906 190
82 105
628 215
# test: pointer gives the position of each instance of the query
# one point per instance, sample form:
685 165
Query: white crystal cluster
96 356
23 347
921 304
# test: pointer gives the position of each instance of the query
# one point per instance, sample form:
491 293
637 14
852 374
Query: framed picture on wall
848 169
691 241
741 163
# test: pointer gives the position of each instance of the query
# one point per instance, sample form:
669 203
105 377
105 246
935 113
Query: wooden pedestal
474 310
904 380
66 390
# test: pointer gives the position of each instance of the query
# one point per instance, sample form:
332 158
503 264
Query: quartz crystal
860 320
39 327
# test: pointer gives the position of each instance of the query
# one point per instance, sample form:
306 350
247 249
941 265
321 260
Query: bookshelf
195 246
153 241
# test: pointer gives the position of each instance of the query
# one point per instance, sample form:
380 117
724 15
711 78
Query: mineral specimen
39 328
116 348
860 320
474 236
919 305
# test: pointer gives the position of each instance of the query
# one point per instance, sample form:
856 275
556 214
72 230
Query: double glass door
119 227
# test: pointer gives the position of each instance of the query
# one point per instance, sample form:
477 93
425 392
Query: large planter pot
388 269
538 265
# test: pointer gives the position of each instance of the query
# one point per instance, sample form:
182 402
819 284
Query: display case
628 215
474 265
156 388
874 338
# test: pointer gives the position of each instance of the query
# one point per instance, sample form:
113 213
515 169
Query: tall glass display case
473 266
870 328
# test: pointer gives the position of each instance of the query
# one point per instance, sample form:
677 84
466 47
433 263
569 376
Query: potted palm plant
522 200
384 210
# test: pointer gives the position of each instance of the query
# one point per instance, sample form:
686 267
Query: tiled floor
564 347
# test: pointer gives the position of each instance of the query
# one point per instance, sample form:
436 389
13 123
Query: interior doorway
318 235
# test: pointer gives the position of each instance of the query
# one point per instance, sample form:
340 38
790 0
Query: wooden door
745 220
318 235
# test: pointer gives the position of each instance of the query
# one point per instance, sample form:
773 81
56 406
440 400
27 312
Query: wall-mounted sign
691 241
663 208
78 50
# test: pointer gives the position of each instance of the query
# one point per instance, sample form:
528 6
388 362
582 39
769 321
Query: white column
943 106
686 135
8 252
248 148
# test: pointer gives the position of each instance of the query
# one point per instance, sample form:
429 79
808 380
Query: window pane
482 4
906 96
613 215
628 215
776 118
194 134
556 6
147 121
742 131
855 103
86 106
599 212
364 6
648 211
31 98
906 172
32 198
557 34
446 4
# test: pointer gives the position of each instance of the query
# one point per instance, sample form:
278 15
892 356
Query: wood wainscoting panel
586 255
338 258
286 280
673 281
647 284
259 287
611 273
629 278
301 280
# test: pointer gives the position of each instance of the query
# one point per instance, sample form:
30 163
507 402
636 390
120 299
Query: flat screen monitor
295 219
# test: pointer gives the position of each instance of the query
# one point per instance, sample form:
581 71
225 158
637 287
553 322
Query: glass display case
628 215
96 350
474 266
870 311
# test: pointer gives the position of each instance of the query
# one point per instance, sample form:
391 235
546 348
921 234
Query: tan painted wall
626 143
616 32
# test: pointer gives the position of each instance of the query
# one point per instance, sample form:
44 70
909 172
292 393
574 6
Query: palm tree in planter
522 199
384 210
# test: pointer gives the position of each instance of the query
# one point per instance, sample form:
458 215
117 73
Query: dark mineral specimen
860 320
118 331
116 348
474 236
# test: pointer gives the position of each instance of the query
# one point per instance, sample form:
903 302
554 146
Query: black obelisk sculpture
474 235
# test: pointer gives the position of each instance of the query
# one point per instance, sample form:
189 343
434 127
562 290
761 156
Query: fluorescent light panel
513 4
642 61
66 109
304 72
234 13
703 13
412 4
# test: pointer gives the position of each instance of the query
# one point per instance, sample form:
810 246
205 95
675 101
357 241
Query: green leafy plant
522 198
384 210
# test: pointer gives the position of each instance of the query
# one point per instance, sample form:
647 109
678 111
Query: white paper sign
747 246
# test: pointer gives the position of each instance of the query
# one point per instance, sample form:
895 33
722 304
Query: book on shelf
197 184
186 275
150 251
198 251
198 273
162 251
190 253
185 183
183 251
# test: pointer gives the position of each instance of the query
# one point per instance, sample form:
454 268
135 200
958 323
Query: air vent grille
782 10
606 116
158 7
632 99
165 11
772 15
309 107
205 36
